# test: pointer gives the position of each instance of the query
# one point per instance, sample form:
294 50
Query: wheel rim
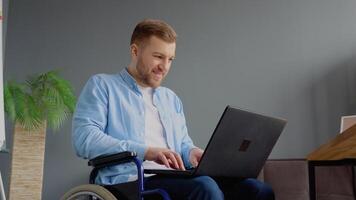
85 195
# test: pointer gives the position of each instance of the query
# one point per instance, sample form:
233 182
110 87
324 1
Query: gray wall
288 58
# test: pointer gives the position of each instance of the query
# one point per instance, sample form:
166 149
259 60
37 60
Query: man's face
153 61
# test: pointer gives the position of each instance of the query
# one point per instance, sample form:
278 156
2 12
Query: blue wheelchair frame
120 158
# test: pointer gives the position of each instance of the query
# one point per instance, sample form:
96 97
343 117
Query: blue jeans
207 188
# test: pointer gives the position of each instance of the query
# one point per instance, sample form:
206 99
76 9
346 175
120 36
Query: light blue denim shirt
110 118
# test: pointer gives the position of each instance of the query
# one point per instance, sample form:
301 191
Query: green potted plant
45 100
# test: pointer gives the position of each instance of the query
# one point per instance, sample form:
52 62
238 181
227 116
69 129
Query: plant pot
27 160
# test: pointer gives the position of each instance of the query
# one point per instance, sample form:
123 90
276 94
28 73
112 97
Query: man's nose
165 64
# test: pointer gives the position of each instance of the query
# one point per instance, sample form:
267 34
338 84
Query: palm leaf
45 97
64 89
56 116
9 102
32 116
14 100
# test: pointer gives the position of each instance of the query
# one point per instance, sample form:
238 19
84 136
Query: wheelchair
125 191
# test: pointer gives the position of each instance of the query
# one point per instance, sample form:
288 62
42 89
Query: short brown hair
152 27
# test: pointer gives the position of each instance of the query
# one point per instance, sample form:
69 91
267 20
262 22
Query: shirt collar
132 82
128 78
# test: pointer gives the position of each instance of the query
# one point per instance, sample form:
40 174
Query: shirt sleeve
187 144
90 121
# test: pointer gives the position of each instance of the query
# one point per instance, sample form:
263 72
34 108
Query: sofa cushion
288 178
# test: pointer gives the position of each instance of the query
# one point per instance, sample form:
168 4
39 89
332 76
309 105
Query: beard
146 76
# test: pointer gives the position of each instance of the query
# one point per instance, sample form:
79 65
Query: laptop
347 122
238 147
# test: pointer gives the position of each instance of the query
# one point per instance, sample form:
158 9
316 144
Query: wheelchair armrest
119 158
114 159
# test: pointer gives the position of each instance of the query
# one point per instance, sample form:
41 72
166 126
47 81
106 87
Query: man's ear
134 50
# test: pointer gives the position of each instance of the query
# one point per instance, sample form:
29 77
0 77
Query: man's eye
160 57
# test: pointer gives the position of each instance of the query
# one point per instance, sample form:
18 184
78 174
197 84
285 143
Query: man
130 111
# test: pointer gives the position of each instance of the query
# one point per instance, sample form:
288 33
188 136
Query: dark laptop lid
240 144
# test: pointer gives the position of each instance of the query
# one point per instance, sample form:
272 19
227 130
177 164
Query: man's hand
195 156
165 157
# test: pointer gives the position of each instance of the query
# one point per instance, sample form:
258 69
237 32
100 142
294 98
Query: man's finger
180 161
194 162
171 156
198 158
164 160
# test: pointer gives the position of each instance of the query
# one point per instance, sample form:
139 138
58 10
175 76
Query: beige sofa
290 181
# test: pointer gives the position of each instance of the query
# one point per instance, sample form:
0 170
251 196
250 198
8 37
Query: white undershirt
154 132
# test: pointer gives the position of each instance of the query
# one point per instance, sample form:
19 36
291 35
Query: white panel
2 123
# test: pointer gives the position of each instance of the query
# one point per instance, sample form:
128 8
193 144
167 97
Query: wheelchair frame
116 159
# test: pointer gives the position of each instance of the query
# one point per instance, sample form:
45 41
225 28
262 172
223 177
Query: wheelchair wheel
88 192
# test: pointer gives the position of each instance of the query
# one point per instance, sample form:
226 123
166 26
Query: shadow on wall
333 95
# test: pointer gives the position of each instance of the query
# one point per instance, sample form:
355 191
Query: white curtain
2 123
